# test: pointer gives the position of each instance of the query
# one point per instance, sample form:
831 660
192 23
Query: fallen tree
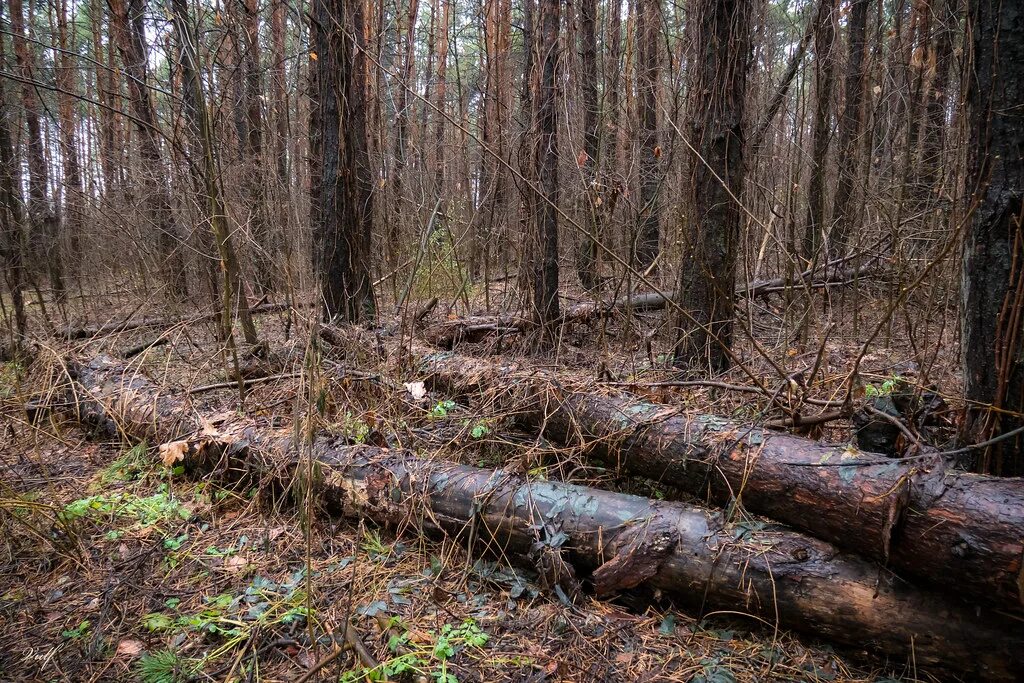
960 531
149 322
448 333
616 541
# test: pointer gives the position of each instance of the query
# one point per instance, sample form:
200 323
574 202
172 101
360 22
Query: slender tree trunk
851 127
12 213
545 276
439 173
130 30
993 270
590 210
74 197
251 83
43 225
105 139
341 194
198 119
720 35
402 133
821 132
609 181
647 243
492 172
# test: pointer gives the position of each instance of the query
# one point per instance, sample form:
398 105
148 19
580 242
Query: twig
894 421
984 444
810 421
247 382
145 346
343 648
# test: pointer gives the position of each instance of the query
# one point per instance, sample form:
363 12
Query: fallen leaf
235 563
416 389
130 648
172 452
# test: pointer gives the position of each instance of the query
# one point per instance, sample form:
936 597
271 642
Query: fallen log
128 324
615 541
473 328
959 531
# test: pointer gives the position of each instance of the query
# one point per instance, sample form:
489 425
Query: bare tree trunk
720 33
400 205
851 127
821 133
545 121
439 173
590 210
495 118
993 269
74 191
12 214
198 117
44 231
130 30
646 246
105 97
264 241
342 185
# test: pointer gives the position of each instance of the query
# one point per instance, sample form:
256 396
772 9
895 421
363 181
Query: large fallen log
448 333
960 531
614 541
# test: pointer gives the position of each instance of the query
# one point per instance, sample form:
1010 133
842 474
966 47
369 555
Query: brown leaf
172 452
130 647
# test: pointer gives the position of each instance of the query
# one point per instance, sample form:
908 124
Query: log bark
128 324
473 328
959 531
616 541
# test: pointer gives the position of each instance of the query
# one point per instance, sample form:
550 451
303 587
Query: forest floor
115 567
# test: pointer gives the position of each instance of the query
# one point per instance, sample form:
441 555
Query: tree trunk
824 43
545 121
590 212
131 38
12 214
264 242
493 198
851 126
341 196
720 34
958 531
648 234
402 134
611 540
74 191
993 270
44 232
197 116
441 99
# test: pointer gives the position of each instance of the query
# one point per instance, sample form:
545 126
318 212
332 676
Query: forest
441 341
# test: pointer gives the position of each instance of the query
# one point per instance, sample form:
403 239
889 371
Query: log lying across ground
960 531
471 328
613 540
149 322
